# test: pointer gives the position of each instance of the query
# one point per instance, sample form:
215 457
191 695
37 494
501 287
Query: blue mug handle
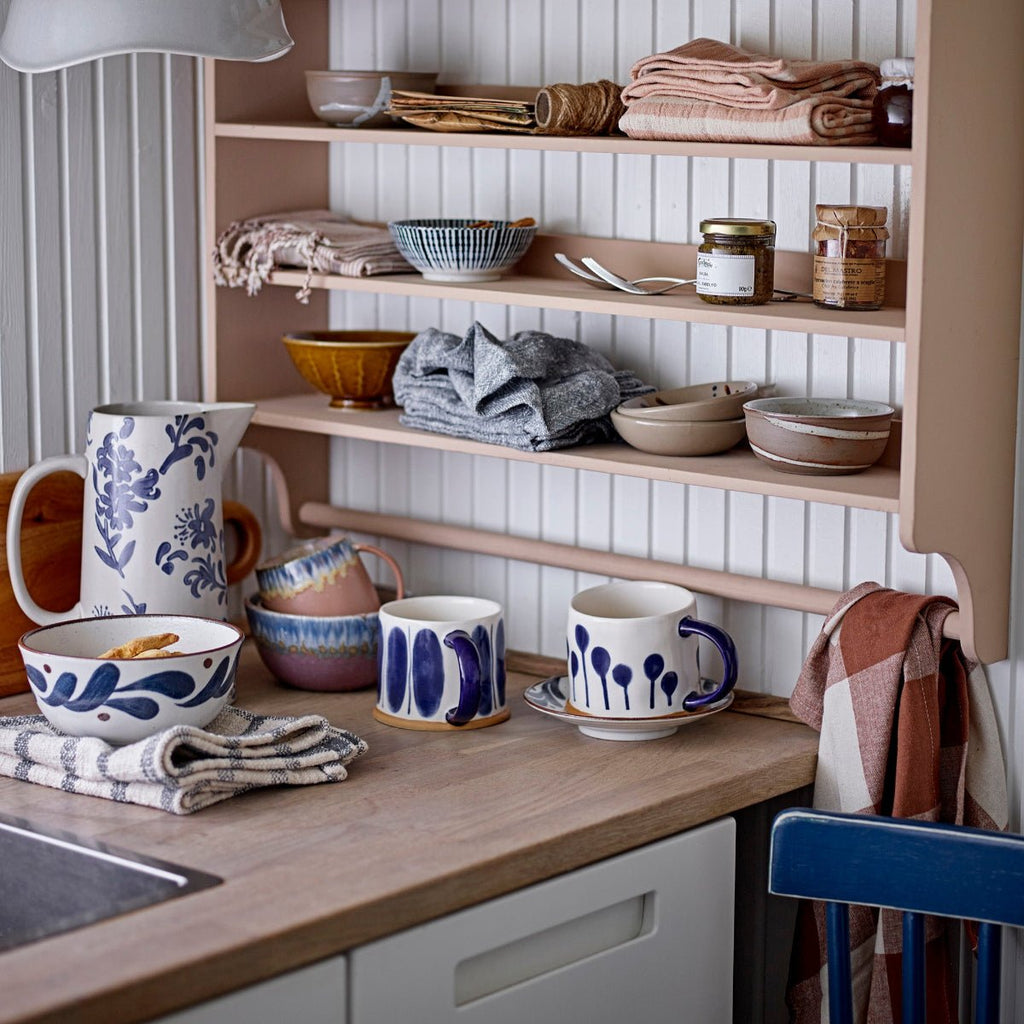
470 676
726 648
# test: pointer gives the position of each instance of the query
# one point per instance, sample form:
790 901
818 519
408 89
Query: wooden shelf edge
315 131
738 470
556 293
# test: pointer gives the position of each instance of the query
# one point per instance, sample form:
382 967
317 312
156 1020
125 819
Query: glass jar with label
736 261
849 257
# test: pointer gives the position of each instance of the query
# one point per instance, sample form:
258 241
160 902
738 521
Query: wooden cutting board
51 555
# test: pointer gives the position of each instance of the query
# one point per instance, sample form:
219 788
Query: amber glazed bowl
353 367
818 436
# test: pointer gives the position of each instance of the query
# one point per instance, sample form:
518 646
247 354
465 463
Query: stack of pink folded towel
709 91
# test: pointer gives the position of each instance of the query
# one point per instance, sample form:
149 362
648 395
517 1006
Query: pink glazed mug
323 577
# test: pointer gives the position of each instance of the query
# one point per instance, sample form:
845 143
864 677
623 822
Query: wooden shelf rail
728 585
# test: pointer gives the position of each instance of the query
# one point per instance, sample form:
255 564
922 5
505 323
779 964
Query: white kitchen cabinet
645 936
310 995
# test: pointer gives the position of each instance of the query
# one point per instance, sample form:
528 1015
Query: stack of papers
463 113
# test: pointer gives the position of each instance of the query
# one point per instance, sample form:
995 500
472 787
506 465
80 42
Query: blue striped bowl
447 249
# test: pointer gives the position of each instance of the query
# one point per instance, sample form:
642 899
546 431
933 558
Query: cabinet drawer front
310 995
646 935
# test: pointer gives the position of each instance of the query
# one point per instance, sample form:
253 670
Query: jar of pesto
736 261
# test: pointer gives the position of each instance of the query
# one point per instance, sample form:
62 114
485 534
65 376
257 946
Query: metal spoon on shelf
613 280
633 287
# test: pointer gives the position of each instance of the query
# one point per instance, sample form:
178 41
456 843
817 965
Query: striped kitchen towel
908 730
319 241
709 91
181 769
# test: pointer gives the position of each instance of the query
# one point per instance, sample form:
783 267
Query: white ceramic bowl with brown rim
718 400
818 436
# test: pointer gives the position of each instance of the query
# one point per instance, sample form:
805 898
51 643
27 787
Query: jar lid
857 223
897 71
737 226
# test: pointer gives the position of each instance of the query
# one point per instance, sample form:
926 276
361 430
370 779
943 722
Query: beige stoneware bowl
359 99
719 400
678 437
818 436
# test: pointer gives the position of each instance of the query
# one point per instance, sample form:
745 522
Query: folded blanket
181 769
813 121
709 91
907 730
533 391
248 252
712 71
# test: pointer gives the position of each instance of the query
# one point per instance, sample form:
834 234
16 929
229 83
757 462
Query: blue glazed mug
633 652
441 663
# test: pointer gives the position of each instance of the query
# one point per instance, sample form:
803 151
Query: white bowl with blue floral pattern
122 700
449 249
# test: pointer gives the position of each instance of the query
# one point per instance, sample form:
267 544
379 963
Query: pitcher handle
28 480
726 648
392 564
470 676
250 540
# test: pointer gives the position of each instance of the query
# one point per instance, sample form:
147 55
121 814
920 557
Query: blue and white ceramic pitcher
153 520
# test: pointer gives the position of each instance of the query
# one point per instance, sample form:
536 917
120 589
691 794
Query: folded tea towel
532 391
181 769
716 72
709 91
908 730
821 120
247 252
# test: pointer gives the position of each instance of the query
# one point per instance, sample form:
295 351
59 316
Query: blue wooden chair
915 867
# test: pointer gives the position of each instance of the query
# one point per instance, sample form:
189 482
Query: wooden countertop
425 824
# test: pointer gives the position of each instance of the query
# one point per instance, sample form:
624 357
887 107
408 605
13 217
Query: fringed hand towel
319 241
908 730
181 769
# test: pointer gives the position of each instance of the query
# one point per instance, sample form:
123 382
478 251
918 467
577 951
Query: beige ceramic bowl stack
702 419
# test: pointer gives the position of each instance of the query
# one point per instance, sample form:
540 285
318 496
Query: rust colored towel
907 729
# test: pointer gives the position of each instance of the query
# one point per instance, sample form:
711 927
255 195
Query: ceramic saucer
549 696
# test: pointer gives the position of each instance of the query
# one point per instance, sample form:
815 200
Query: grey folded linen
181 769
532 391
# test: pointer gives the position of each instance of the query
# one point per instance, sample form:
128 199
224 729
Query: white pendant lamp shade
44 35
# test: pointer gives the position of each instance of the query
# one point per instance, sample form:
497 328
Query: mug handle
399 581
726 648
470 676
250 540
25 483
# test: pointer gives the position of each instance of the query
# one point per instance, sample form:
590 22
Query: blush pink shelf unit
955 305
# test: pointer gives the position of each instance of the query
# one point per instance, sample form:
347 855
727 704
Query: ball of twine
593 108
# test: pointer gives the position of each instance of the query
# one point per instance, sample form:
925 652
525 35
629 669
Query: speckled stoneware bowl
316 652
353 367
718 400
359 99
818 436
123 700
448 249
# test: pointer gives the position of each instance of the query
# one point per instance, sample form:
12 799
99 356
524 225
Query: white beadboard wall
100 298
